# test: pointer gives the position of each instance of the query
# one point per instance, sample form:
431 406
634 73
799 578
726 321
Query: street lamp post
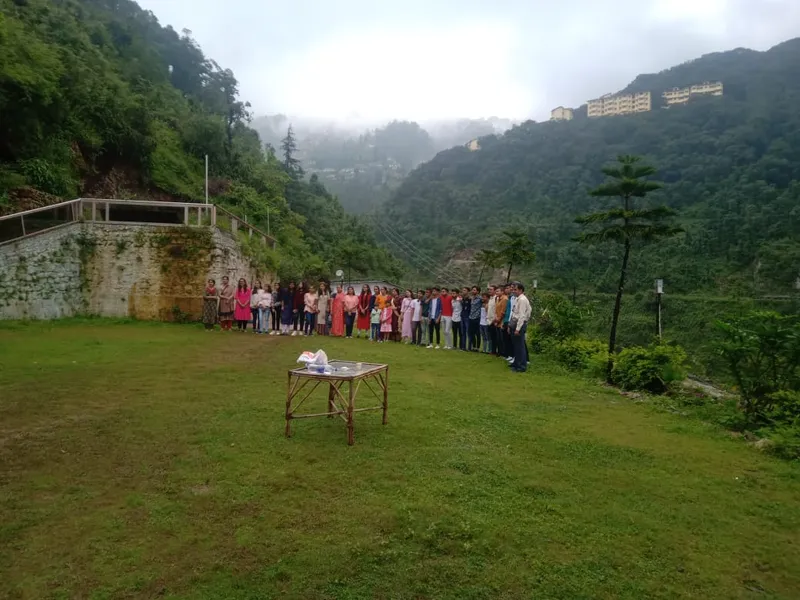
659 293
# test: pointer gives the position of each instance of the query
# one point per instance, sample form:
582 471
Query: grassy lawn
148 460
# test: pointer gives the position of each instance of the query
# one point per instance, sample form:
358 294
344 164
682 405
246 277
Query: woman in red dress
362 323
337 313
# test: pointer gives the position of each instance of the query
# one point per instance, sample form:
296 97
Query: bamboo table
338 404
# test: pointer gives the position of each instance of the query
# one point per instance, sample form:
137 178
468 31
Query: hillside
363 166
98 99
731 166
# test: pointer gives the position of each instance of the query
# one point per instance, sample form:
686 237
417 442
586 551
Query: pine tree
289 148
626 223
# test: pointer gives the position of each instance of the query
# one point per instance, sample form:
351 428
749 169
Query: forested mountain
364 167
97 98
731 166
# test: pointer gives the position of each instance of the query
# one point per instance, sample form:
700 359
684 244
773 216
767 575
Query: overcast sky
430 59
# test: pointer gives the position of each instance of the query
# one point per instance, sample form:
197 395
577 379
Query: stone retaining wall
141 271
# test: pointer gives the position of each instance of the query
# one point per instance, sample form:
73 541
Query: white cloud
410 73
427 59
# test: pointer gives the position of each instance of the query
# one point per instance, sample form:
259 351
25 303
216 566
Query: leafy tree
514 248
353 255
762 350
626 223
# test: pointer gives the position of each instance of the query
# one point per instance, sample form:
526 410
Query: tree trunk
508 275
480 277
612 339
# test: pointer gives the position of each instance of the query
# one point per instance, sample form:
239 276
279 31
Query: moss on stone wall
146 272
185 255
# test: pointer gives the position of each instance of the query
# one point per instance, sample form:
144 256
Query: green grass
148 460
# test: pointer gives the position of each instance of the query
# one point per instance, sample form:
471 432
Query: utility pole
659 293
206 178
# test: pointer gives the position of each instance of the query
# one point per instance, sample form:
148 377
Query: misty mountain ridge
363 165
730 164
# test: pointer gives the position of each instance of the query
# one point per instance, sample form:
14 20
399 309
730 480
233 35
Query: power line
428 264
413 259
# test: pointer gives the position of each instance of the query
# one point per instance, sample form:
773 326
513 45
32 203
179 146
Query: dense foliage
762 350
730 165
97 91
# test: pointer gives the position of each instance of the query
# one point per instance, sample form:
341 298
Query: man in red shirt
447 318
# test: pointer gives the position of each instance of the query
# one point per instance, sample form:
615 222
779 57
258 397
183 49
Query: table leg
331 403
289 407
350 437
386 396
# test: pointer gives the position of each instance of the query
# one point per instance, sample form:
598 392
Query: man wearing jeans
475 320
416 319
466 304
507 341
435 318
447 317
520 315
426 311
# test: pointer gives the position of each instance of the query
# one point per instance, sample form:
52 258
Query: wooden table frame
338 404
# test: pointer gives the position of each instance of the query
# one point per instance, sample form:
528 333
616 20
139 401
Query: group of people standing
492 322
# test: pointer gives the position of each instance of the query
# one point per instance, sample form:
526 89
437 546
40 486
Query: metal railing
226 217
24 224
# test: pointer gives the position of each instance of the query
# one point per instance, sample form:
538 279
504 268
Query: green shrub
653 368
556 319
49 177
762 350
578 354
784 408
784 441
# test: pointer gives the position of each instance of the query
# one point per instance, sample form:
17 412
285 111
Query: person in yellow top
381 298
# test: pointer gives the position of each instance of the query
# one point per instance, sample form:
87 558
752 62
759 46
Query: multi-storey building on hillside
561 114
622 104
682 95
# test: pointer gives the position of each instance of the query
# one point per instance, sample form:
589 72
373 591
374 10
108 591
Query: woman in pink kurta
406 312
242 311
337 313
350 310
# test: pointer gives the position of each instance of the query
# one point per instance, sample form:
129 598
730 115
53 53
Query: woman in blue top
287 307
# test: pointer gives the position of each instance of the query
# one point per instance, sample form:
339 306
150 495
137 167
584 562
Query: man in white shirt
416 319
518 326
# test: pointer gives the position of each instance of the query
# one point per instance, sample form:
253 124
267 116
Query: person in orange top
381 298
499 313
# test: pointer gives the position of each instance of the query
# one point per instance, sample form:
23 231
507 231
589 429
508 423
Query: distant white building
682 95
561 114
473 145
621 104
